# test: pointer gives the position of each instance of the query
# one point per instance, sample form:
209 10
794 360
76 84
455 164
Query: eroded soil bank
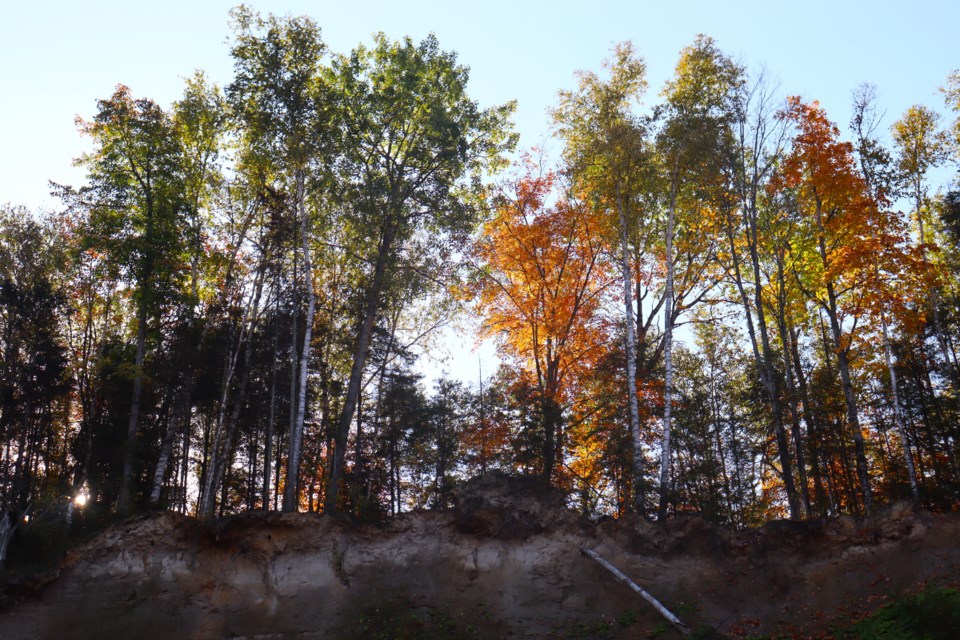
504 564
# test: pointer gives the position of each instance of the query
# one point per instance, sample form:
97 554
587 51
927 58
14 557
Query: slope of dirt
504 563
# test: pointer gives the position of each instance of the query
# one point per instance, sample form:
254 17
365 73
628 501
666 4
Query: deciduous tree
543 275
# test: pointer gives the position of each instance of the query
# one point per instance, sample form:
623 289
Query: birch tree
281 98
134 195
697 123
608 157
921 146
200 124
876 165
755 150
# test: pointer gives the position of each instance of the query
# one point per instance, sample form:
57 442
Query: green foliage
931 614
950 218
276 92
701 104
605 143
627 618
135 191
414 144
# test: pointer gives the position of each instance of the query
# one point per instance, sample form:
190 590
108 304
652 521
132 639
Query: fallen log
619 575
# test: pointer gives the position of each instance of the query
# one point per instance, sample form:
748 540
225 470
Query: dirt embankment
504 563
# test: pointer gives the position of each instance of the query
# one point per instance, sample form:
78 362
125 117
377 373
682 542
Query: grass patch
931 614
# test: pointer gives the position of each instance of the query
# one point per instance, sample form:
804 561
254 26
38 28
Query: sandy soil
506 563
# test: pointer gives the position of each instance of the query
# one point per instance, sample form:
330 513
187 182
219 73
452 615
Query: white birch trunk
631 349
125 499
667 360
619 575
290 491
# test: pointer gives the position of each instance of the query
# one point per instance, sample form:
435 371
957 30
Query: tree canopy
706 300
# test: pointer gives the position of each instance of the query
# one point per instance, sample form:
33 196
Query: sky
57 57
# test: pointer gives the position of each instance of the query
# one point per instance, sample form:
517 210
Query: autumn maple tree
848 247
542 276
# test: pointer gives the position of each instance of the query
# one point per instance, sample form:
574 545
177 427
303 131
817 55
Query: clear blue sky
58 56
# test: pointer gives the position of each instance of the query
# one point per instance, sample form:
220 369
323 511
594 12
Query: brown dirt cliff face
504 563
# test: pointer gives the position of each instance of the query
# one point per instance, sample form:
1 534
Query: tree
876 166
135 199
281 98
415 147
543 275
608 156
697 122
200 124
756 148
921 146
35 380
951 97
837 257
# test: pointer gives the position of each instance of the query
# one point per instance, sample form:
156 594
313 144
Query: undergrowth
931 614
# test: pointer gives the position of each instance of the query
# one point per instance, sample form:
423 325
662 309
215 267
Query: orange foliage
864 247
544 274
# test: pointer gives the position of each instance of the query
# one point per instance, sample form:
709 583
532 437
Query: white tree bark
7 529
6 533
631 349
619 575
897 415
290 491
667 360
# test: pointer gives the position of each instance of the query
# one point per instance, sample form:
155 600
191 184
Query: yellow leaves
919 140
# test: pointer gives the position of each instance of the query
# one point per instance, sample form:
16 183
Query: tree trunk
268 436
222 451
781 319
843 366
222 444
356 371
762 353
667 361
631 350
125 499
291 488
897 415
619 575
814 423
184 468
794 412
180 419
769 380
550 414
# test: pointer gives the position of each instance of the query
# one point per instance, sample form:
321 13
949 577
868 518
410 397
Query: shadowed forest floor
505 563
